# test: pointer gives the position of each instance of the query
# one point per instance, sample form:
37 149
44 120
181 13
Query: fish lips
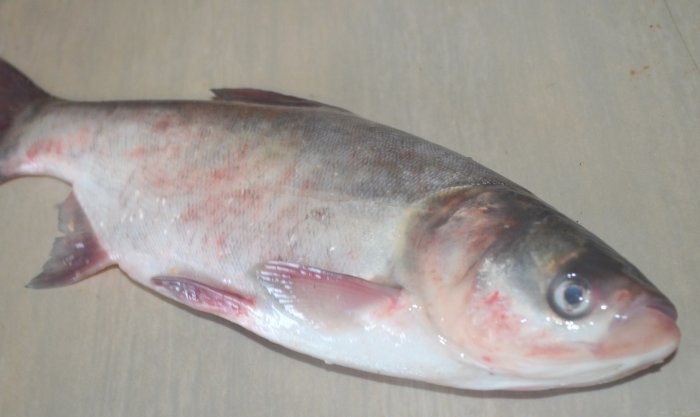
646 328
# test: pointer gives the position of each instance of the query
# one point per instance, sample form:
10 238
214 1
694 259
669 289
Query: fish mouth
663 305
646 329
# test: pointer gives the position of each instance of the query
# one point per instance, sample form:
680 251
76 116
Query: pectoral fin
323 297
76 255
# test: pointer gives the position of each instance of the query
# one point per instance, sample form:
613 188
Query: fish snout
646 327
661 303
650 302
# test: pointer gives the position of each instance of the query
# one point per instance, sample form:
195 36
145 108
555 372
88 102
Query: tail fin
16 92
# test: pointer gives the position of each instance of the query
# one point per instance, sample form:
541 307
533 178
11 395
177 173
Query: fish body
334 236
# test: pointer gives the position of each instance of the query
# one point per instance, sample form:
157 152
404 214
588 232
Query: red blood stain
217 207
493 298
242 151
191 214
499 321
219 174
550 351
162 125
83 137
288 174
307 185
227 173
392 307
221 241
487 359
49 147
137 153
622 296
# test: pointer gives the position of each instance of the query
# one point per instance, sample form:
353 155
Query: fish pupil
573 294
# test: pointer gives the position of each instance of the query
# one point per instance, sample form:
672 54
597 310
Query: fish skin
256 204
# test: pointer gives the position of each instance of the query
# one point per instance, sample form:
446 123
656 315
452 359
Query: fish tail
77 254
17 93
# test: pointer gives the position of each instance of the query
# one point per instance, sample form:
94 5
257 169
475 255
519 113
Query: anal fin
76 255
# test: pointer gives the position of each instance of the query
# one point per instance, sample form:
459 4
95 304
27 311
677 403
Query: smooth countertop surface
594 106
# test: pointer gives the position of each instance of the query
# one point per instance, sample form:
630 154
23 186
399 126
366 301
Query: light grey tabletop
594 106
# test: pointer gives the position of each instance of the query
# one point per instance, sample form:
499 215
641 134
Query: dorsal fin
264 97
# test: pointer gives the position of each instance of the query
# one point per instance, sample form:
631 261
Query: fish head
535 299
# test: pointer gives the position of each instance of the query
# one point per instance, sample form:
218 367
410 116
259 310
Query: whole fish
334 236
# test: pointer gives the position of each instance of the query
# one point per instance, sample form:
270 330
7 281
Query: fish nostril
623 296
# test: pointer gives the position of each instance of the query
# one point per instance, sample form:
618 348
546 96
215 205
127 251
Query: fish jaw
644 337
609 361
559 353
641 334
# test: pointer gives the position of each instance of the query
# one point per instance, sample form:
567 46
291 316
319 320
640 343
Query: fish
334 236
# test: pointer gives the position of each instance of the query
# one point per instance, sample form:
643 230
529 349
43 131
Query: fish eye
570 296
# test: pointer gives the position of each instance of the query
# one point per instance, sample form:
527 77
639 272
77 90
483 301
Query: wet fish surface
334 236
